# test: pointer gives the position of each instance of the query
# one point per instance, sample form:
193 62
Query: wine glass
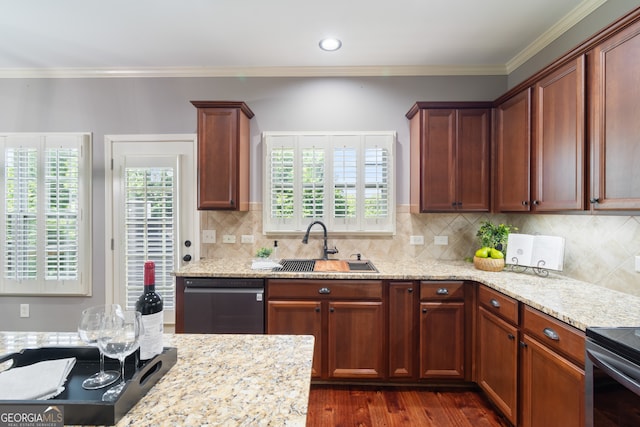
88 330
118 338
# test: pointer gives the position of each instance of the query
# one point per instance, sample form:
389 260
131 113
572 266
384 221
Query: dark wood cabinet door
472 160
401 329
615 126
223 155
437 160
552 388
355 339
442 339
513 154
298 318
497 362
559 141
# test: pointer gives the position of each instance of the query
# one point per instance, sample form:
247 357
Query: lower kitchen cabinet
354 339
401 337
552 372
552 388
442 330
298 318
497 350
345 316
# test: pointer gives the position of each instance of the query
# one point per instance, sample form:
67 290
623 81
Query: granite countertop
577 303
239 380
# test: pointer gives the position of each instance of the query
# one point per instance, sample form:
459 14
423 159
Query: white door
151 213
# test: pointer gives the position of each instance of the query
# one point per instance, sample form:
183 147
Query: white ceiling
277 37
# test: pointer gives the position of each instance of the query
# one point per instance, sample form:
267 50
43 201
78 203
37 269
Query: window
344 179
45 221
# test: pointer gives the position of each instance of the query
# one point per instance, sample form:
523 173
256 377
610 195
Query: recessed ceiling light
330 44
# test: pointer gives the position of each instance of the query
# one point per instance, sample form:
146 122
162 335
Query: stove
612 377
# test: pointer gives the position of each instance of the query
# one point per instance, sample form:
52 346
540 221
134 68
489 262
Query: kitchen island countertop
218 380
577 303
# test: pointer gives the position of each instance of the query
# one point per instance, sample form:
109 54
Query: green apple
494 253
483 252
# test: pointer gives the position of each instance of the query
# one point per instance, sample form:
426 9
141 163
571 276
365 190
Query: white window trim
329 140
41 287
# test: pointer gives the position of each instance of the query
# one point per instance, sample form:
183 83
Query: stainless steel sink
308 266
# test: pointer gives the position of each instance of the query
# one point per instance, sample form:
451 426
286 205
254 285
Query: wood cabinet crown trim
225 104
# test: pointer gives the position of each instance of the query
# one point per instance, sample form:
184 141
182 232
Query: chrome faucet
325 251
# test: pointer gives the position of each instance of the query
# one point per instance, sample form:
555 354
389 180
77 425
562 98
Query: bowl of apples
488 259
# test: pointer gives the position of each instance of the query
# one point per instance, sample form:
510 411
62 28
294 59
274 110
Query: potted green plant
493 245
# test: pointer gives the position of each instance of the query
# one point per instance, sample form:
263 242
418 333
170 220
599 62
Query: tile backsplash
598 249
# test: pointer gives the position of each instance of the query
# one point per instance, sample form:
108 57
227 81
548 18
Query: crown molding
361 71
558 29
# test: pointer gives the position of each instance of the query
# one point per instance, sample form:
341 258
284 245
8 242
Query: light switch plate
441 240
208 236
247 238
416 240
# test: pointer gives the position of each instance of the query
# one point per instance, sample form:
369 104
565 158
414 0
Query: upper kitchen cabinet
449 157
513 154
223 155
614 83
558 172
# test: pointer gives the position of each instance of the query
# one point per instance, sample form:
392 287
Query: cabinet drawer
555 334
444 290
499 304
315 289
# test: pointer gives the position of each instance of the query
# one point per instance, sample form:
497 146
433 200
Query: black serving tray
86 406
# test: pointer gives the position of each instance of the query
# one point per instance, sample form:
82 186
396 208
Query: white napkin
41 380
264 264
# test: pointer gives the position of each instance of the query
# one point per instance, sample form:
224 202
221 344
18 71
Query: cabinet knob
551 334
231 202
595 200
317 309
424 310
442 291
494 303
511 337
536 202
332 309
324 291
525 203
410 290
187 243
186 258
523 344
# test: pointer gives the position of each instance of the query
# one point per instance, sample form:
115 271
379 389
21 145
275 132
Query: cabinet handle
494 303
332 309
511 337
442 291
410 290
551 334
595 200
324 291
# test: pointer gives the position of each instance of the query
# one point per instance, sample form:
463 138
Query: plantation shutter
150 198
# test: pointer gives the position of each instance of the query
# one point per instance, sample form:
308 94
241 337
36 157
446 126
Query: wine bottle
150 307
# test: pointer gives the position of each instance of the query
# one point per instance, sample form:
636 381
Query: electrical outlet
24 310
208 236
247 238
441 240
416 240
228 238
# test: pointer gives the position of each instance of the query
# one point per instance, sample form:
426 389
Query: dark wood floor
371 406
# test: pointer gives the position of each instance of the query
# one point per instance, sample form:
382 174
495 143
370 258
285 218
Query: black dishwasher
224 306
